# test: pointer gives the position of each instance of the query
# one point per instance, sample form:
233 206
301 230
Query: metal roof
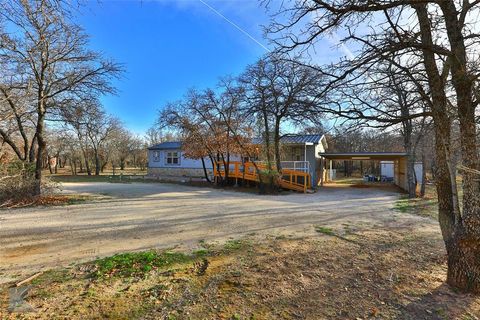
294 139
301 138
363 155
166 145
287 139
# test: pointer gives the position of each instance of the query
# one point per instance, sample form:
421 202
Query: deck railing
296 178
296 165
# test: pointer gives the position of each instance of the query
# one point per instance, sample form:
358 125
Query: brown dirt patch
23 250
377 274
45 200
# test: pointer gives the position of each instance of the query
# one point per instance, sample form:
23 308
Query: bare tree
443 36
47 57
278 91
99 129
154 136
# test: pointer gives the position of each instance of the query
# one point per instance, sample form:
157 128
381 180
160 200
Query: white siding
387 169
419 172
184 162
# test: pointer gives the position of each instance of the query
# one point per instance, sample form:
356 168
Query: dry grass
377 274
66 171
48 200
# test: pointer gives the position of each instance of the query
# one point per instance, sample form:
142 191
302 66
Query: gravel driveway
146 215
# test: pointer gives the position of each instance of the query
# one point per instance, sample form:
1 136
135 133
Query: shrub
17 180
17 183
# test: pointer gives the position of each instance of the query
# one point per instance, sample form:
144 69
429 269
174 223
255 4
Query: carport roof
364 155
294 139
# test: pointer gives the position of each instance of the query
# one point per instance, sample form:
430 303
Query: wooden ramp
290 179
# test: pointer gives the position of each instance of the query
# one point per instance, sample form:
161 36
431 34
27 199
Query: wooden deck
290 179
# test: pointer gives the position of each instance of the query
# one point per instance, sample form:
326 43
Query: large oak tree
443 35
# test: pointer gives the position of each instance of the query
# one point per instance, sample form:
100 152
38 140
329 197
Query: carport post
322 170
330 177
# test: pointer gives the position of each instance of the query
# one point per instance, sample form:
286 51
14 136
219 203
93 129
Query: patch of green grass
231 245
403 205
419 206
325 230
76 199
51 276
138 263
441 313
201 252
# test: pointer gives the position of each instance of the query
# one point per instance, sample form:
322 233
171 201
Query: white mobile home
298 152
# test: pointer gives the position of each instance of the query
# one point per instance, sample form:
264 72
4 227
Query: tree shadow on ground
442 303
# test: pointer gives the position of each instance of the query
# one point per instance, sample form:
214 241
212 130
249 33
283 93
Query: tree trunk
412 182
31 154
57 160
464 262
205 171
50 169
464 254
87 164
407 139
73 167
461 237
225 169
219 178
97 163
267 141
277 146
424 174
40 149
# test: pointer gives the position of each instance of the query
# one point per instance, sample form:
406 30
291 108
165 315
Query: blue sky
168 47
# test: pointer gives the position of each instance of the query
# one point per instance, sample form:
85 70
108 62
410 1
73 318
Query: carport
398 158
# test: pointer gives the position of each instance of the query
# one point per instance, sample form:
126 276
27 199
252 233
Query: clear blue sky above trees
170 46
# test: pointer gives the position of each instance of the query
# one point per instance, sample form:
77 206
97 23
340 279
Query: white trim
178 157
156 156
323 140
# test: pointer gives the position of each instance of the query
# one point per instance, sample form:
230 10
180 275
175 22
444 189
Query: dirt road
147 215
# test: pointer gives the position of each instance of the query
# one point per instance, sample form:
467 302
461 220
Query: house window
173 158
156 156
296 154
